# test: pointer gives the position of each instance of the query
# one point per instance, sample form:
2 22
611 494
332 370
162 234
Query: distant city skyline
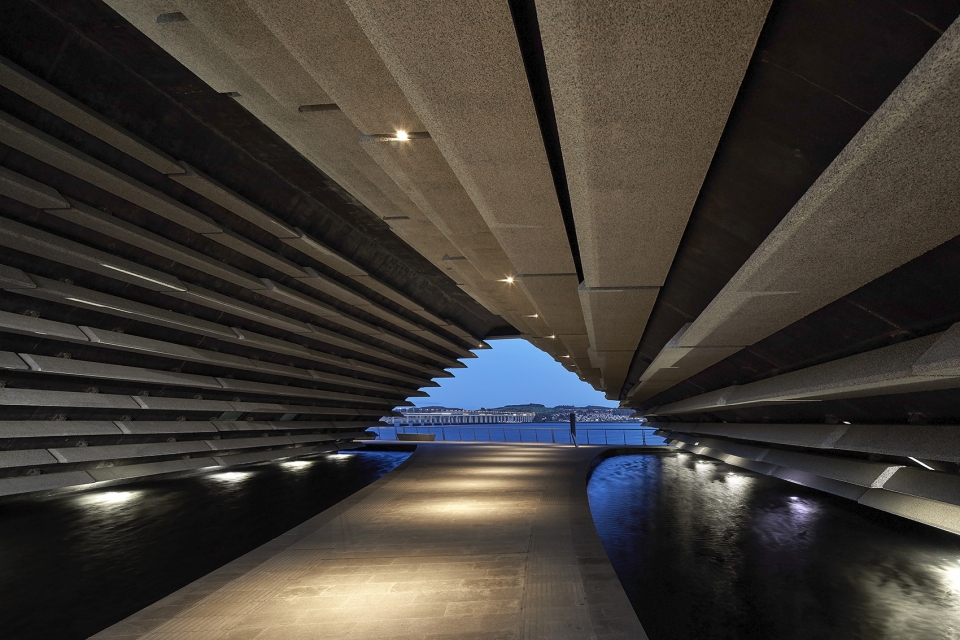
512 372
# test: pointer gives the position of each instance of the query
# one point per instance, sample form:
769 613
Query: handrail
640 436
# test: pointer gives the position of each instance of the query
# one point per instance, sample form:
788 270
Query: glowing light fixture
535 315
112 497
297 464
552 337
845 422
230 476
508 280
402 135
952 575
925 466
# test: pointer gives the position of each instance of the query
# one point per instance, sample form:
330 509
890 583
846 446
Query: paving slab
463 541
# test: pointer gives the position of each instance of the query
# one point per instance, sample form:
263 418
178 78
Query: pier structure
426 418
462 542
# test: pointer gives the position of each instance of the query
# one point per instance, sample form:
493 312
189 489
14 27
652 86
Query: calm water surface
710 551
73 564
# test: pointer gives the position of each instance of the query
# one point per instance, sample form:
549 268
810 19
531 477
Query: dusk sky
512 372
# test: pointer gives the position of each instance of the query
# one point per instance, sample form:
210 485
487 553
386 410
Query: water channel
73 564
707 551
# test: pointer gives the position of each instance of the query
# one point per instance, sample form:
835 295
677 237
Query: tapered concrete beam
23 189
673 364
325 39
886 199
487 130
423 173
641 96
556 301
63 106
616 317
888 370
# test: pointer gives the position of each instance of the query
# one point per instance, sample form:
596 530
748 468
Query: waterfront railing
557 435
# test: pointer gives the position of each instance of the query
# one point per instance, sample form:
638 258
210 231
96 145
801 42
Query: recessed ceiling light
402 135
535 315
508 280
551 337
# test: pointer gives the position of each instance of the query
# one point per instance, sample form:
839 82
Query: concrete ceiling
643 194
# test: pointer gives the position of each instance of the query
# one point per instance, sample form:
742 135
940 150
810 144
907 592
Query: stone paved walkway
465 541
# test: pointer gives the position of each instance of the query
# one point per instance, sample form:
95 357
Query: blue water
707 551
602 433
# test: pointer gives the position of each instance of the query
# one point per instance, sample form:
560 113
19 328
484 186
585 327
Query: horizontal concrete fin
63 106
30 192
213 190
931 512
263 456
146 427
942 487
805 435
64 293
933 442
104 223
851 471
25 458
25 238
42 398
57 428
87 369
43 482
11 361
182 404
254 251
212 300
121 451
47 149
285 390
126 471
814 481
323 254
247 443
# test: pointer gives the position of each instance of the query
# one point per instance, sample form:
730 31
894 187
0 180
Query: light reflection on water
709 551
73 564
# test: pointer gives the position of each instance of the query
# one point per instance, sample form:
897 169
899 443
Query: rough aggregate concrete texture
642 92
464 76
888 197
463 541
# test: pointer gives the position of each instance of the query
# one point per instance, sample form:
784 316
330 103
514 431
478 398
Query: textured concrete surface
921 364
278 59
642 93
464 76
887 198
490 541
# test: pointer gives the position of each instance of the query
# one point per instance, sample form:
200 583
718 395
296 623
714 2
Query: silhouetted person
573 428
